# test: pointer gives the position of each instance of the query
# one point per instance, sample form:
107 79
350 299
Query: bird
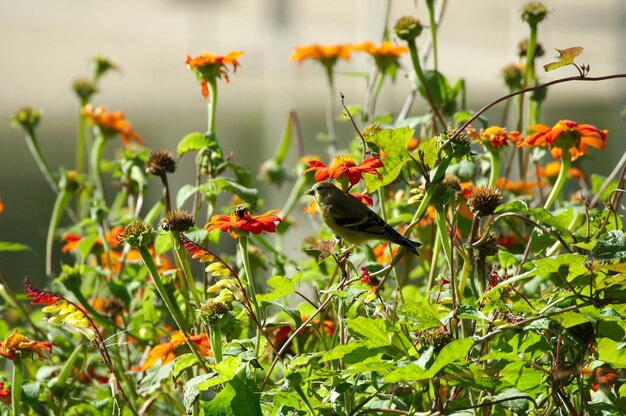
352 220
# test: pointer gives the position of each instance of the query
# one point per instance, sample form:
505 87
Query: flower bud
408 28
27 118
533 12
136 234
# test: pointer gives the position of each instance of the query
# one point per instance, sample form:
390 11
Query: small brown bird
352 220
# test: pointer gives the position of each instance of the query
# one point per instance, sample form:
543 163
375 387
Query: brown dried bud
484 200
214 310
488 246
160 162
522 49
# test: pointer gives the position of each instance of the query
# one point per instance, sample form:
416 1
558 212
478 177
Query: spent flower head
160 162
408 28
84 89
484 200
512 75
18 346
136 234
179 220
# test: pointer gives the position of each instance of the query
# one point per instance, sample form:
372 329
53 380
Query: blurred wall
45 45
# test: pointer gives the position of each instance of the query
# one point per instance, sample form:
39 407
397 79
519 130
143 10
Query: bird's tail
410 245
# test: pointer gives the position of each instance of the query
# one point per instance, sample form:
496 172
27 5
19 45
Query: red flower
111 123
495 136
5 394
241 220
344 165
209 67
567 135
364 198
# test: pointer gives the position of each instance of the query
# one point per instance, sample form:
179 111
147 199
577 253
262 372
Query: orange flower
327 55
209 67
552 170
385 55
165 352
1 205
495 136
17 344
72 240
568 135
241 220
364 198
344 165
519 187
111 123
382 253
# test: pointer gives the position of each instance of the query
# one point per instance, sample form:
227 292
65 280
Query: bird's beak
310 192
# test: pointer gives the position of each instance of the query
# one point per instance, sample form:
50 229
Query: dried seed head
522 49
488 247
214 310
160 162
438 337
179 220
136 234
408 28
484 200
452 181
533 12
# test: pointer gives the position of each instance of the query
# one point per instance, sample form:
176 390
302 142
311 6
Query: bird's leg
345 253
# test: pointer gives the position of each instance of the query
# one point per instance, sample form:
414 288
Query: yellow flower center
343 160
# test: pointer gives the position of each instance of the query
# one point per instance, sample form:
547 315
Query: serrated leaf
184 193
182 363
226 371
154 377
566 57
239 398
282 286
611 246
8 246
422 315
196 141
393 142
376 332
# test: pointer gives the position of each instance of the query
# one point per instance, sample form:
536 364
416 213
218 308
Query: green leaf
285 142
420 315
184 193
456 350
468 312
153 378
611 246
393 142
86 244
443 95
226 371
8 246
182 363
513 400
239 398
196 141
430 149
341 351
570 319
570 263
282 286
566 57
608 352
377 332
461 117
596 184
162 243
216 186
293 313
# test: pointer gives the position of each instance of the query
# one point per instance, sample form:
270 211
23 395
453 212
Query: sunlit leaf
566 57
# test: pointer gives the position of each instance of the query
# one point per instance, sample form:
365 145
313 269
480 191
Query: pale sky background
45 45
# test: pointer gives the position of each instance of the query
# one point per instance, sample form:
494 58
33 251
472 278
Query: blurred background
45 46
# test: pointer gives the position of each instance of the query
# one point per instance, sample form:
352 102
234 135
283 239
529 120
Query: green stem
60 203
373 94
494 156
183 261
16 385
417 67
215 338
433 30
212 105
529 69
442 233
174 312
68 366
96 157
245 260
33 146
560 180
330 112
80 142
